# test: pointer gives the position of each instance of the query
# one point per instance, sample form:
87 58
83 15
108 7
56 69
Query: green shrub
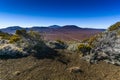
21 32
14 38
5 35
84 48
35 43
92 39
114 26
35 35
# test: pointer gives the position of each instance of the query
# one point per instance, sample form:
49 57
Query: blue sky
84 13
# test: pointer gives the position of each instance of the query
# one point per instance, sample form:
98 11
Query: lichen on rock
106 47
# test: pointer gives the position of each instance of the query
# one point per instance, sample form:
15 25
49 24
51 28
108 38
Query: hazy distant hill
67 32
71 27
54 26
11 29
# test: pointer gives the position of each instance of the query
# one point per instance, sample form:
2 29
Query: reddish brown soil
29 68
70 35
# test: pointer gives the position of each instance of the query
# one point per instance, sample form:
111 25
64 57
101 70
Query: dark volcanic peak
37 26
50 29
54 26
14 27
71 27
11 29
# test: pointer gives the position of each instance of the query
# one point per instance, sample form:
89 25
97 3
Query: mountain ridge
12 29
54 32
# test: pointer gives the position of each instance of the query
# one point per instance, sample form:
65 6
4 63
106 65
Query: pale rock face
107 48
29 44
73 47
11 50
55 45
2 41
74 70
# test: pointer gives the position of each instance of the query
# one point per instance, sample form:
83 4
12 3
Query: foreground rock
106 47
11 51
21 44
75 70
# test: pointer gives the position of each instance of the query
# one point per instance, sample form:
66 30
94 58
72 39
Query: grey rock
10 50
56 45
107 48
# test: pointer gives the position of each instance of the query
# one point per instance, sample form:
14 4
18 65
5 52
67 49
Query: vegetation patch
5 35
84 48
91 40
14 38
114 26
21 32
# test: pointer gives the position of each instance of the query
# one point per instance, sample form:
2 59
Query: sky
83 13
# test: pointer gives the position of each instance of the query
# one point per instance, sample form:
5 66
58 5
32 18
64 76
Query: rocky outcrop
73 47
106 47
11 51
2 41
22 44
56 45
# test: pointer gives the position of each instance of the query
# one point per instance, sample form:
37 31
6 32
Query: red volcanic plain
70 34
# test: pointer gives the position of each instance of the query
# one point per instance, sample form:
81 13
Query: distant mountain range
12 29
67 32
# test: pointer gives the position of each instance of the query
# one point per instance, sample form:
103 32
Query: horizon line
48 26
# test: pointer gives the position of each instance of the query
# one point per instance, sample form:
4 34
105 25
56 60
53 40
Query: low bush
5 35
91 40
14 38
21 32
114 26
84 48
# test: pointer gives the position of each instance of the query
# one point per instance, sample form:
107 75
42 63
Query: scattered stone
16 73
75 70
73 47
55 45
